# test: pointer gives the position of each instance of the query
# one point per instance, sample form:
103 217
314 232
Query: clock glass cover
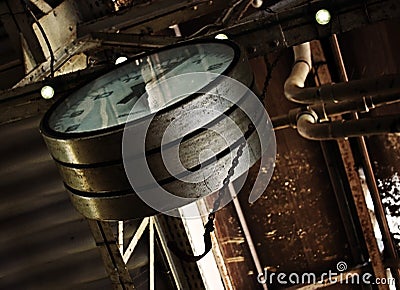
107 101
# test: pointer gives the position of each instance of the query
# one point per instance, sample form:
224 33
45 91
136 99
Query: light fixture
47 92
221 36
323 16
257 3
120 59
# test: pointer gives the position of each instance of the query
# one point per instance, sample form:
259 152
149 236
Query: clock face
107 101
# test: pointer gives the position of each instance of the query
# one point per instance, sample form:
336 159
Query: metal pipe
281 122
322 111
246 231
345 91
361 105
308 127
302 66
294 86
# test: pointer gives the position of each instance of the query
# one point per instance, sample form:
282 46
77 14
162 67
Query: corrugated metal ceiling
42 235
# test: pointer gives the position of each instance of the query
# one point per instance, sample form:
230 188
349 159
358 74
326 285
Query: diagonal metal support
156 233
135 239
114 264
126 255
151 253
113 254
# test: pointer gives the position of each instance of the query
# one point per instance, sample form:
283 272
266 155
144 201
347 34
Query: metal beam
362 210
156 229
173 229
136 40
25 102
150 17
111 255
25 27
135 239
42 5
265 32
260 34
121 236
151 254
174 265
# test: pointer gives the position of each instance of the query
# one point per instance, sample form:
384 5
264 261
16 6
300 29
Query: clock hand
137 91
103 113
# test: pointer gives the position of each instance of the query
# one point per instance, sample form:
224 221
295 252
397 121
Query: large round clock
84 130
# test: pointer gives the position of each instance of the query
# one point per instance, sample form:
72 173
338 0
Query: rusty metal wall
380 46
296 226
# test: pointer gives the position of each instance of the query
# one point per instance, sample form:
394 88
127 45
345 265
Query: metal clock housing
83 131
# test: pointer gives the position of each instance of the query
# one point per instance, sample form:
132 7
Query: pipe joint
308 116
303 60
325 93
293 115
368 104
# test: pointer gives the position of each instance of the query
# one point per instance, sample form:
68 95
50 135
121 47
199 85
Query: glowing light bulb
221 36
120 59
47 92
323 16
257 3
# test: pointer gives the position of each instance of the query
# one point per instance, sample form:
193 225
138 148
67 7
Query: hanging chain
209 226
231 171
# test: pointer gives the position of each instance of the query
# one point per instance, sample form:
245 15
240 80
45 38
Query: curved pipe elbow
302 66
291 90
305 126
